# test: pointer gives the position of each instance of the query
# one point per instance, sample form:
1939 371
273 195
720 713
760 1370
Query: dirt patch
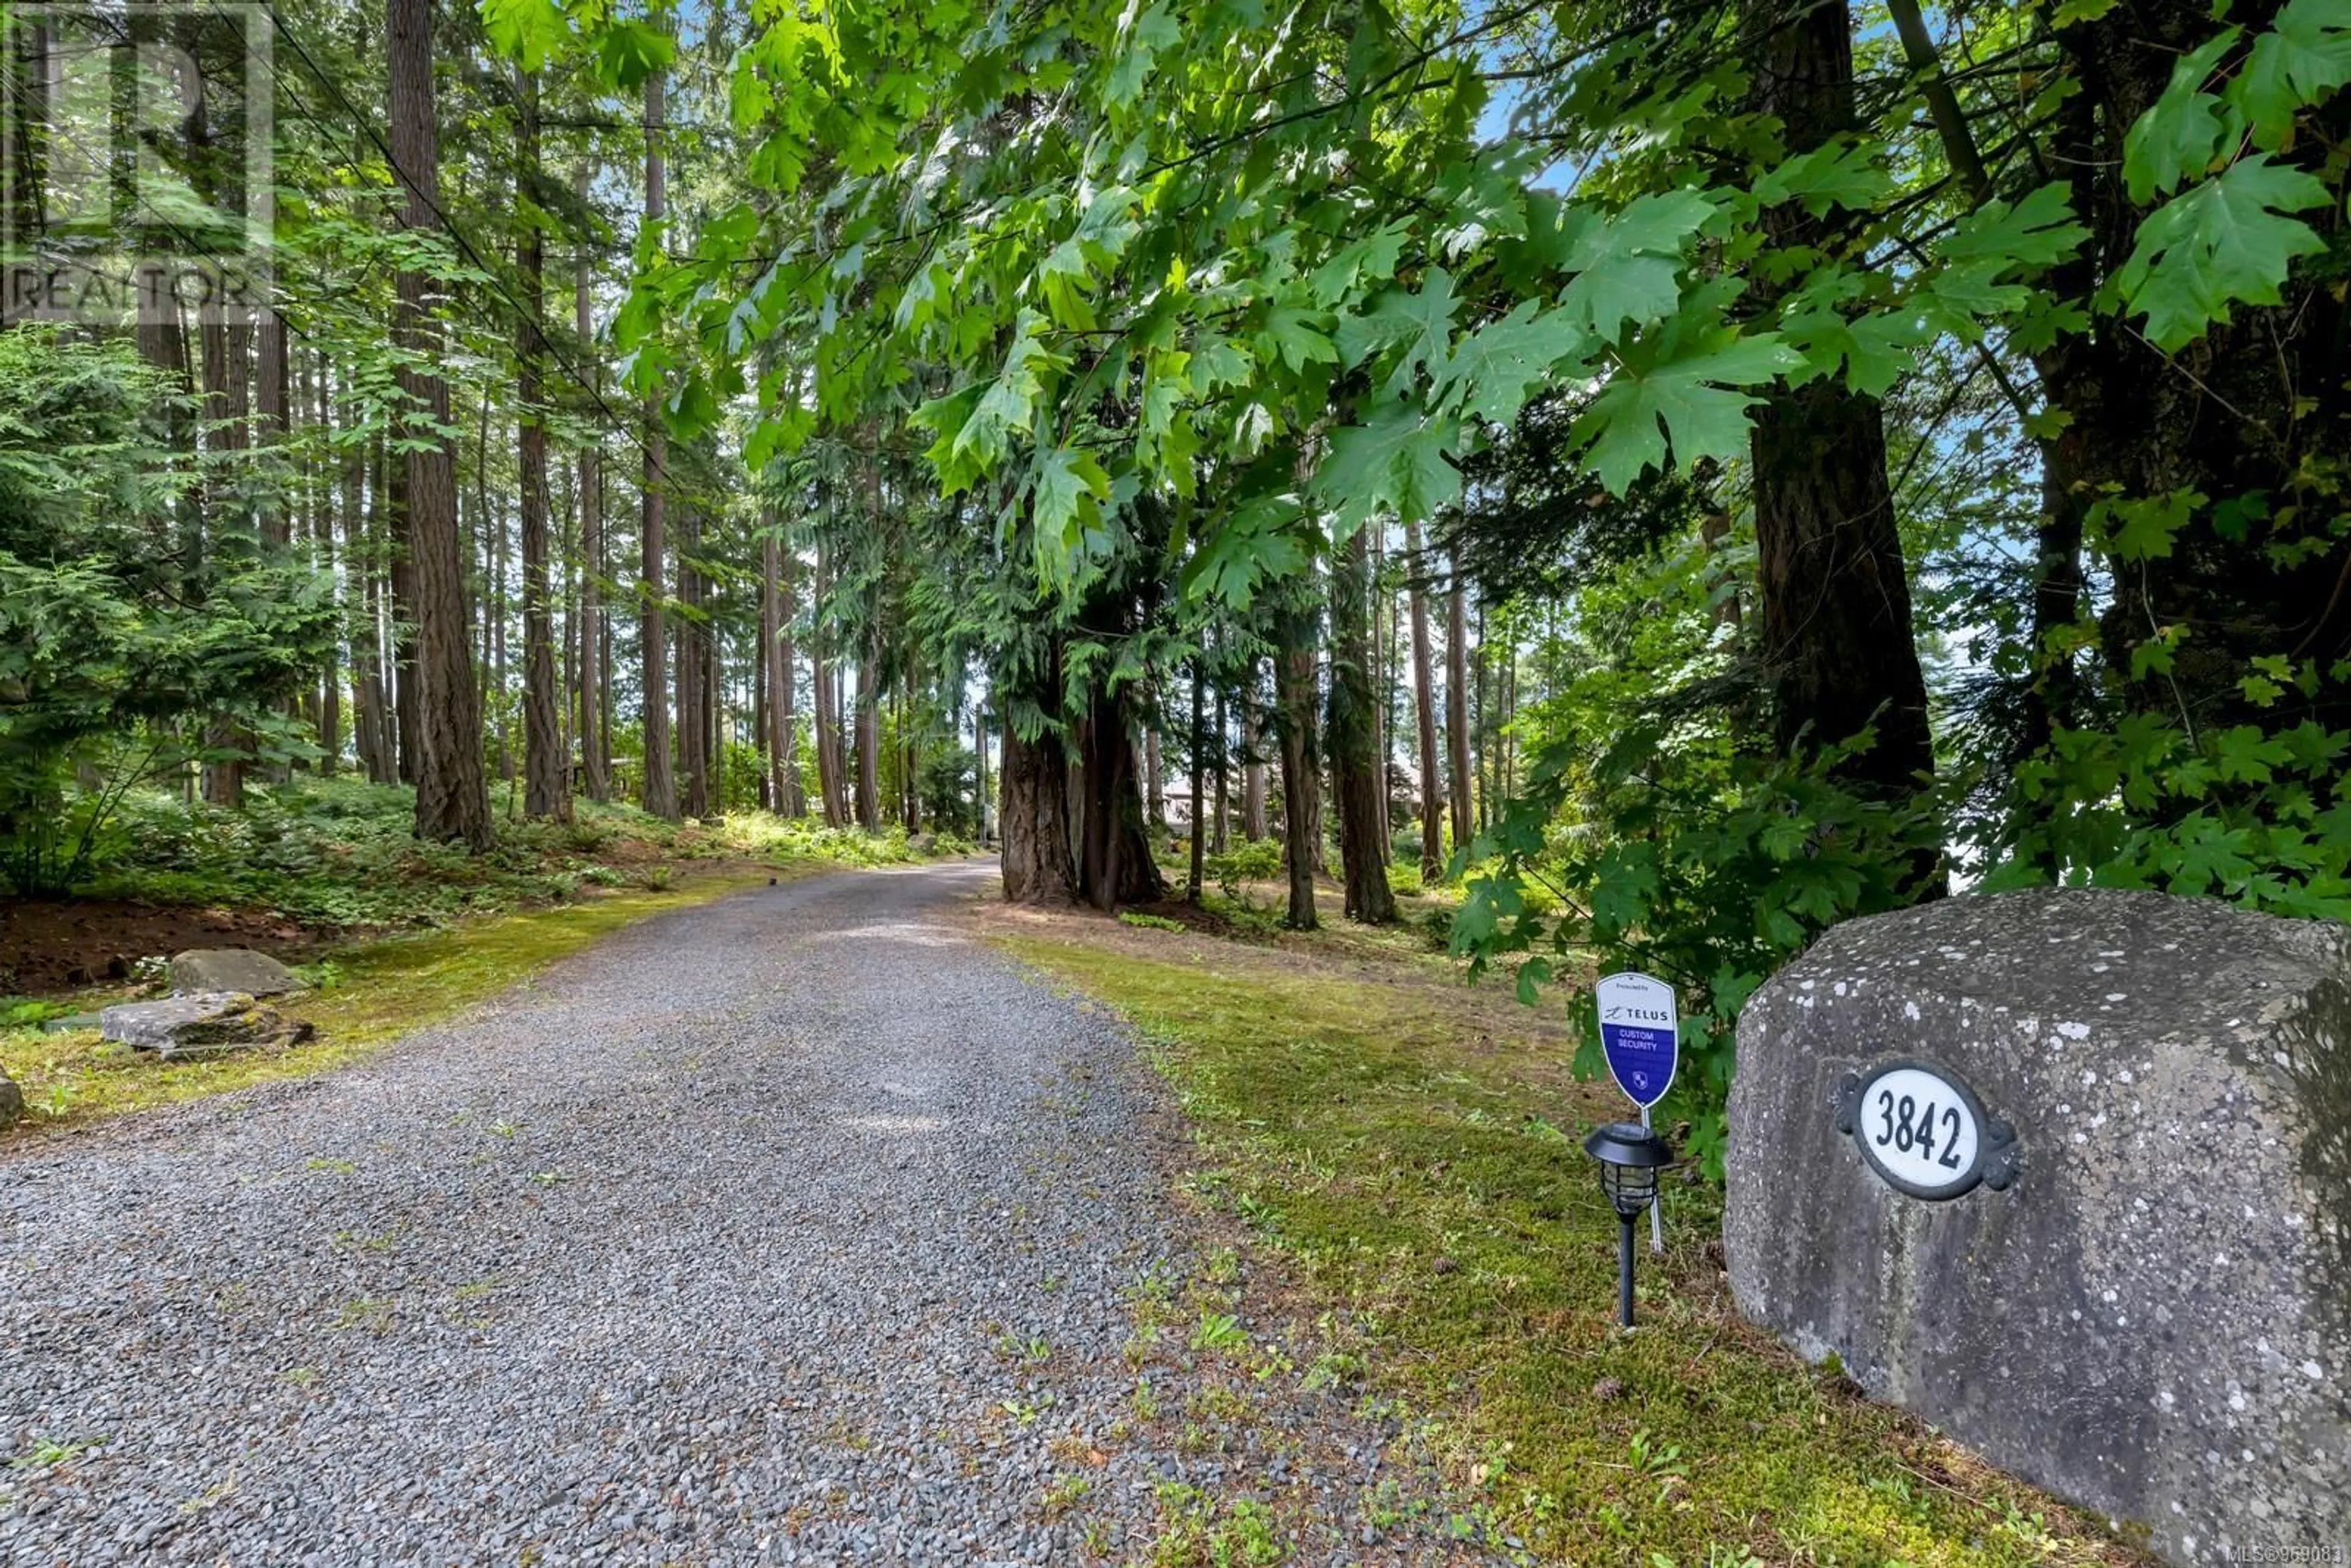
49 947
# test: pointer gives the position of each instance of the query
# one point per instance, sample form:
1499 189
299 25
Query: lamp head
1630 1157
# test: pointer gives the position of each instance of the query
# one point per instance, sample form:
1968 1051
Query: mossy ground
399 934
1408 1145
374 993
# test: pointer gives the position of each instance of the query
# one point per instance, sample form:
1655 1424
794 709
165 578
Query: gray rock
212 1024
12 1103
2150 1319
211 969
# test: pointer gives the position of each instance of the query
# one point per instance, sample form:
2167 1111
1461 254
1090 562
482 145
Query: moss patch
1414 1157
378 992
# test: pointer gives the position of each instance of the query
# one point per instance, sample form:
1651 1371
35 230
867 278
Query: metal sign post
1640 1034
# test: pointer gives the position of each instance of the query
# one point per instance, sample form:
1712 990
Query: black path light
1630 1157
1640 1035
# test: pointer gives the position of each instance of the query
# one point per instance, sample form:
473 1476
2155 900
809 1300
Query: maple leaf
1686 399
2180 134
2221 243
1494 369
2300 62
1393 461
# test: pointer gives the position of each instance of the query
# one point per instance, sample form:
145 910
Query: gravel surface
795 1228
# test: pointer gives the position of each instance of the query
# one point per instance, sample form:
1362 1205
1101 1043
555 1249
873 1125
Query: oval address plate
1925 1132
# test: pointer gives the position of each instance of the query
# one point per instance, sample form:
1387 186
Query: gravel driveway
794 1227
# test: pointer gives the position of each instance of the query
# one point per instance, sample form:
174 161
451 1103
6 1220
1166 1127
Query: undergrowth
339 854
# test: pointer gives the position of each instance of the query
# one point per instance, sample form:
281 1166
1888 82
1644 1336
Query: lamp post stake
1625 1273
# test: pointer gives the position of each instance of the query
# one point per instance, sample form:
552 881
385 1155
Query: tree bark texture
1302 806
1423 700
868 746
1199 741
595 758
1457 703
776 646
659 794
1838 649
1255 744
1353 732
693 634
546 785
1033 821
1115 866
452 796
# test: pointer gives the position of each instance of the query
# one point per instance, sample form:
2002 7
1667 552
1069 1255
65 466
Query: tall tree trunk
660 795
1254 740
1353 737
273 424
225 371
1034 821
547 788
363 571
774 642
452 798
1221 755
1302 807
869 744
1837 644
830 784
1457 703
595 753
979 765
1423 700
377 693
2258 409
692 759
909 728
1115 865
1155 782
1198 743
487 540
1376 644
713 693
401 579
828 743
1482 728
318 409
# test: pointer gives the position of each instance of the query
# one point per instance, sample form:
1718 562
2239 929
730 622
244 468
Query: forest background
1679 475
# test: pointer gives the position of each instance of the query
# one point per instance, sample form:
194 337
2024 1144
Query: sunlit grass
379 992
1423 1177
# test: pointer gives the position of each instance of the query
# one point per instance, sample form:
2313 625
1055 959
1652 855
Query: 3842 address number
1925 1132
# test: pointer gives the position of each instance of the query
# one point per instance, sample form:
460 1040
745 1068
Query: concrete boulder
210 971
210 1024
2145 1305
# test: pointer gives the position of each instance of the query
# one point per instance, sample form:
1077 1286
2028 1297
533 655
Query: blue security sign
1640 1033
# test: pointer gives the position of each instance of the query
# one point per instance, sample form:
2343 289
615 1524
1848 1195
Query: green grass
339 856
1422 1177
382 990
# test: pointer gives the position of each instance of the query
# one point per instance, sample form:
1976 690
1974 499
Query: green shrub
1243 861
